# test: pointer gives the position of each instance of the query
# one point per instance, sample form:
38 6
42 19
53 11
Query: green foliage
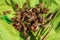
33 3
7 32
2 2
55 33
9 15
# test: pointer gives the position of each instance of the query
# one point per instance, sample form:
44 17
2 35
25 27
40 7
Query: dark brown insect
34 10
4 13
28 19
34 27
40 5
25 6
16 5
51 16
8 11
40 19
13 19
19 12
45 10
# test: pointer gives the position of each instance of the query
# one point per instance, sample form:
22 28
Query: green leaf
56 20
33 3
8 2
53 36
9 15
56 27
2 2
19 2
52 5
7 32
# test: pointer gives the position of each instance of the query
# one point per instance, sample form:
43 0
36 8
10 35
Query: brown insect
8 11
4 13
28 19
50 16
16 5
45 10
40 5
25 6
